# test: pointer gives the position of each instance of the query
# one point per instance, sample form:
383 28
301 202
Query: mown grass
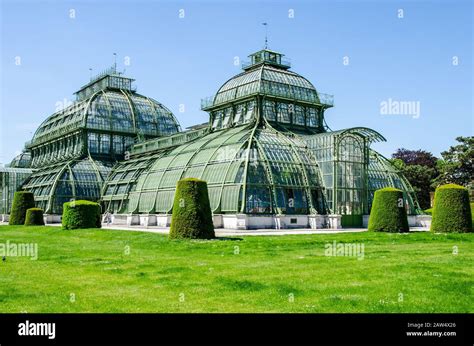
92 271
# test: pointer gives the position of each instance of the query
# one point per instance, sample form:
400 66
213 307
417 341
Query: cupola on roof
267 73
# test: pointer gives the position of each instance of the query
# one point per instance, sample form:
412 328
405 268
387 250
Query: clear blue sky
181 60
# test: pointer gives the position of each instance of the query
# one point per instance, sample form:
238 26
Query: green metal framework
381 173
65 181
22 160
248 169
11 179
266 150
352 172
74 149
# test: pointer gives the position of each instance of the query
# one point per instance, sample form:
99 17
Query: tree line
425 171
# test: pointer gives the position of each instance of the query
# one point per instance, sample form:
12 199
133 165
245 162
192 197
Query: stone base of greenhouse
238 221
242 221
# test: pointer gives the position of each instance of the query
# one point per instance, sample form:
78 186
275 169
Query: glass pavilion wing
22 160
217 158
342 157
122 180
278 174
11 179
283 176
52 186
41 183
381 173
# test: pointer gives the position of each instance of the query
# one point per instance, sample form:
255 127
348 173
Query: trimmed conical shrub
388 212
81 214
34 217
22 201
192 216
451 211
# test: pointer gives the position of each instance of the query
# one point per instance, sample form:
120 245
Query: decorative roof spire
115 62
266 35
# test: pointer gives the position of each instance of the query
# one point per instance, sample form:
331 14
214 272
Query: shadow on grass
229 238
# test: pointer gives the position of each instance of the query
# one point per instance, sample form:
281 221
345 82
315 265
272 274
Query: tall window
104 144
283 113
239 109
93 142
217 122
298 117
227 117
250 110
311 117
269 110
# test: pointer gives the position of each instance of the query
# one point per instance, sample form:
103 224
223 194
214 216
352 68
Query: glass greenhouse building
267 154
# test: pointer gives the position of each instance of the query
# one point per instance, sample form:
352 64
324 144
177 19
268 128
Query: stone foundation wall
237 221
413 221
242 221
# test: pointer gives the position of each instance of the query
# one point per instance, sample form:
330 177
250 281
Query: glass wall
232 115
381 173
11 180
78 179
290 113
279 175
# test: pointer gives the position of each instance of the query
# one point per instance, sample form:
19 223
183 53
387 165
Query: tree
457 164
420 178
419 167
416 157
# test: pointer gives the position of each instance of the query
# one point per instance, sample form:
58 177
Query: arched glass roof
381 173
22 160
75 179
110 110
269 80
248 169
11 179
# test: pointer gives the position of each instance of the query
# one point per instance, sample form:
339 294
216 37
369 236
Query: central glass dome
267 86
267 79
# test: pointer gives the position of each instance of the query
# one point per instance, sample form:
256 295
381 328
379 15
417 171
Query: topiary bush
22 201
192 216
388 212
81 214
472 212
451 210
34 217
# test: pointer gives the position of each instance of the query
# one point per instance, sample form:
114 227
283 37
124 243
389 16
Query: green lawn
415 272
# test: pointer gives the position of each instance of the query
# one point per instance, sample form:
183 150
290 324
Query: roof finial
115 62
266 35
90 72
